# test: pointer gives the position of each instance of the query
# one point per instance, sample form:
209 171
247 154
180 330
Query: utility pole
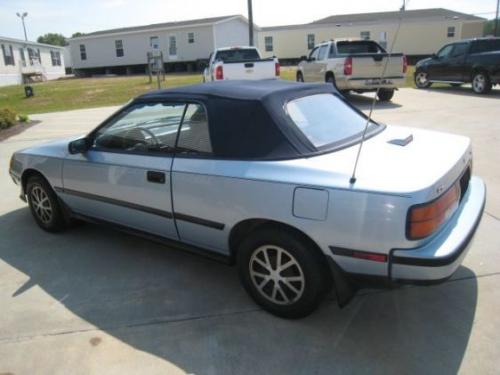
22 16
250 23
496 19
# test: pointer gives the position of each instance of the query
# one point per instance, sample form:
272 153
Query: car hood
430 160
422 62
57 148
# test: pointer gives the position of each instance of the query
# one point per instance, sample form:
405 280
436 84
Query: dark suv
475 61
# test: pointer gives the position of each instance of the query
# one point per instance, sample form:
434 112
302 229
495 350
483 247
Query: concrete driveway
96 301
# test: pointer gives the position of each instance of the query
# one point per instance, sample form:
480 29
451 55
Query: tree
77 34
489 27
53 39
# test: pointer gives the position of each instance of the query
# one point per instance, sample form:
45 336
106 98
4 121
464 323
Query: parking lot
93 300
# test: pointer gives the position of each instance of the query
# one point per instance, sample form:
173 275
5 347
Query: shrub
23 118
7 118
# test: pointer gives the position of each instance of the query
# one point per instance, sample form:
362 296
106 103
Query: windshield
232 55
326 120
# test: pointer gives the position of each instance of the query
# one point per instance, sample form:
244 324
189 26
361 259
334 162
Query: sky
69 16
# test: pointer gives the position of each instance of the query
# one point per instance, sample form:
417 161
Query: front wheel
481 83
282 273
44 205
422 80
385 95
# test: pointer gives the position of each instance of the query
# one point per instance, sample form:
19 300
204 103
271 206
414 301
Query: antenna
352 180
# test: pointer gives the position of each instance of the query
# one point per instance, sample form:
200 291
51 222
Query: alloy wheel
479 83
276 275
41 204
421 79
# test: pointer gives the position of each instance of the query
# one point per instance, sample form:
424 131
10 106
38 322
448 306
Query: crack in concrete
491 215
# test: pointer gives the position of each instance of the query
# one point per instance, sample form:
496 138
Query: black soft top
247 119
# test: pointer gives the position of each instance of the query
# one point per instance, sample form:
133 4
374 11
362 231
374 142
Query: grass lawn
76 93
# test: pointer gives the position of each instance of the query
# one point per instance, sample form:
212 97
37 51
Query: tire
330 78
300 77
481 83
385 95
44 205
301 285
421 80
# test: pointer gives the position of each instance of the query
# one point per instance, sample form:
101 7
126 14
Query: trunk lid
426 166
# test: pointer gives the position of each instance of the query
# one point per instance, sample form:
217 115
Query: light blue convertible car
259 174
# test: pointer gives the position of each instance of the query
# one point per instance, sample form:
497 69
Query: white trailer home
183 44
22 61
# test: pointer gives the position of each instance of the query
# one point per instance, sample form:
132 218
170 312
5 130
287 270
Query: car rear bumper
370 83
438 260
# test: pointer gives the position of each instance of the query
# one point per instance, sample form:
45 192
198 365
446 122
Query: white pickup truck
232 63
354 65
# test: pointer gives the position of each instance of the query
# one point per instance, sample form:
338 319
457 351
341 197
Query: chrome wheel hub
421 78
276 274
41 204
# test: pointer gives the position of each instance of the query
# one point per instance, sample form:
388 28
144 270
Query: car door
320 63
456 59
124 177
195 188
438 68
309 66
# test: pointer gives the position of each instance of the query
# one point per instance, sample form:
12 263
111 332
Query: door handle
156 177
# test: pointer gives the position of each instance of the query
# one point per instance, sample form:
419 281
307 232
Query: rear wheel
300 77
422 80
385 95
330 78
44 205
282 273
481 83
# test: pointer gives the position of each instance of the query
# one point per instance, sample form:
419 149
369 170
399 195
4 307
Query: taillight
277 69
348 66
405 64
219 73
425 219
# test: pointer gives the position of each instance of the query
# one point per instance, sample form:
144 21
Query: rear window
233 55
479 46
362 46
326 120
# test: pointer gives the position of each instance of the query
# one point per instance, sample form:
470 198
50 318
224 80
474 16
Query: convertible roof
247 119
242 89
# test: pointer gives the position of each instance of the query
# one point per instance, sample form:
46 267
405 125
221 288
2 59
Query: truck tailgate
263 69
372 65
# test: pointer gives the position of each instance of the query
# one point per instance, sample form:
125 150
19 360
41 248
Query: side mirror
434 56
303 58
79 146
311 59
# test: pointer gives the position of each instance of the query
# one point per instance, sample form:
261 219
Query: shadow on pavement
131 288
463 91
364 102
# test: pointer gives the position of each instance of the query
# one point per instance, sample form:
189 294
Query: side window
445 51
459 50
322 52
331 52
194 135
314 54
149 127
